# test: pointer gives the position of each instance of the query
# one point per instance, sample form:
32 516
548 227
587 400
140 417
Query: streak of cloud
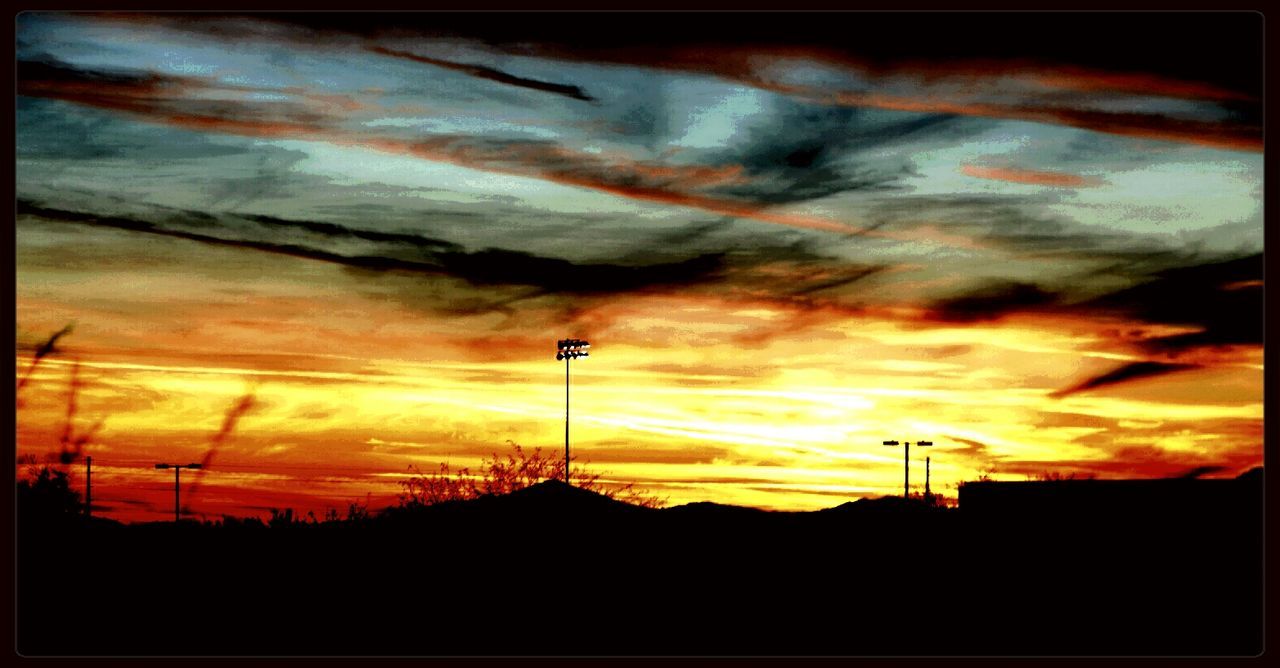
1123 374
1029 176
488 73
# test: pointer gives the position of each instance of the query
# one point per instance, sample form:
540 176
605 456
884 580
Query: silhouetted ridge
886 504
713 509
548 496
1163 567
1252 475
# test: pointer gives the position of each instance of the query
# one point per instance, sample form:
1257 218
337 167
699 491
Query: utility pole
177 470
88 487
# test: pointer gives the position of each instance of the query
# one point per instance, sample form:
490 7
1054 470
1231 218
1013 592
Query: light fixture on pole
906 464
568 349
177 470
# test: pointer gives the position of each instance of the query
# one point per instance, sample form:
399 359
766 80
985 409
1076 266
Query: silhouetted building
1109 501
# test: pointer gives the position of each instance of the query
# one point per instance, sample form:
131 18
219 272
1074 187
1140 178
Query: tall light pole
567 349
177 469
906 464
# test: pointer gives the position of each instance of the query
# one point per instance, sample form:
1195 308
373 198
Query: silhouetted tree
46 496
503 475
281 519
1058 476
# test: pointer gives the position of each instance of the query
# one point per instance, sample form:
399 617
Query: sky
314 251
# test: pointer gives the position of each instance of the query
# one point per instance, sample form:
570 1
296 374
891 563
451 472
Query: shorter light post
906 464
177 470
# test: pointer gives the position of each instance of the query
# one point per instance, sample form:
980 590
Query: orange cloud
1029 176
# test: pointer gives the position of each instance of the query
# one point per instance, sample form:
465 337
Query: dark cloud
842 279
176 101
1014 224
184 102
488 73
1223 298
1228 54
1143 462
751 269
816 154
52 130
487 267
506 267
960 62
341 231
991 302
1123 374
1163 283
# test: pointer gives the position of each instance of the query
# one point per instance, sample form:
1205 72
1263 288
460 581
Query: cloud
1216 134
188 102
488 73
487 267
1143 462
973 448
991 302
806 152
753 270
963 77
1224 299
1014 67
1018 226
1123 374
340 231
1029 176
205 105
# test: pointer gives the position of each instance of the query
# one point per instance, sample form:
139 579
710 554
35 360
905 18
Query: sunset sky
316 250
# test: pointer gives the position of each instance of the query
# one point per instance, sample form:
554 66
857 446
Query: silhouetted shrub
499 475
46 495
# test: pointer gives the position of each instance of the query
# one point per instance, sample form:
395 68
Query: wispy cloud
1029 176
1123 374
488 73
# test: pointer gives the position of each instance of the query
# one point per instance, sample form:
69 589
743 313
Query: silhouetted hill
555 495
1120 504
474 577
893 505
710 509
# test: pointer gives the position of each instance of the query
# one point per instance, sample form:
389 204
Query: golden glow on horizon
799 430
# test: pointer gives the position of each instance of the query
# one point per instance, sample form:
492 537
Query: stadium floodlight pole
177 469
568 349
906 464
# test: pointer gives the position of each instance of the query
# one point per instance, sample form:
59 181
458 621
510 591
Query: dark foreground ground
550 571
